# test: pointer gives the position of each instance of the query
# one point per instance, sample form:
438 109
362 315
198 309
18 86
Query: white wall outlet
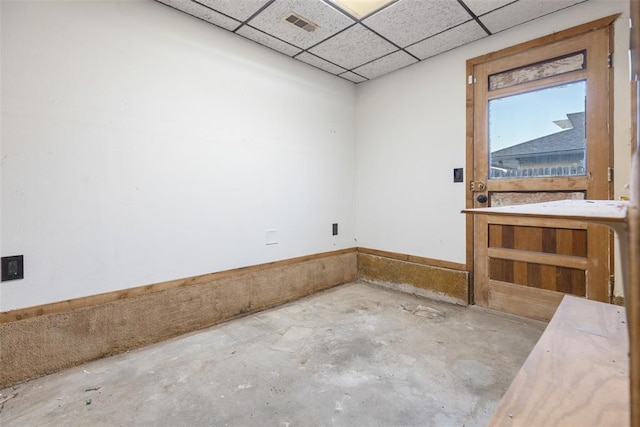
272 237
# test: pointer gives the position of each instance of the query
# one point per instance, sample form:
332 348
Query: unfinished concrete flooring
356 355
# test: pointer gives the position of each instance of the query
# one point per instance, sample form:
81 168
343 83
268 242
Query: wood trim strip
548 39
535 84
536 222
414 259
576 183
634 113
632 285
470 126
72 304
481 262
539 258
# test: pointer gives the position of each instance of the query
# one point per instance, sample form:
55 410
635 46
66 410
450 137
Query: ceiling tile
409 21
329 19
320 63
352 77
522 11
240 10
353 47
267 40
204 13
386 64
360 8
480 7
447 40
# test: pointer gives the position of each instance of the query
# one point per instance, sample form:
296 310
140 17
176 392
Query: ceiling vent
301 22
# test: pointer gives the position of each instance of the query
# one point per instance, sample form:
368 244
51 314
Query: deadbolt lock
478 186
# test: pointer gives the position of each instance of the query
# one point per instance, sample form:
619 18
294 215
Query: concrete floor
356 355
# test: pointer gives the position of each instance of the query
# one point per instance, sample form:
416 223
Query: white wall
141 145
411 134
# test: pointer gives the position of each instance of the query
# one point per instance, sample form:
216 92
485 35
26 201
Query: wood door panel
576 280
520 273
549 241
560 241
528 239
571 242
550 277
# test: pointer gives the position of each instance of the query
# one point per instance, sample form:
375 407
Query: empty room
319 212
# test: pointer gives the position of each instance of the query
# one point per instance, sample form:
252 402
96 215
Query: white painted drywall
411 134
141 145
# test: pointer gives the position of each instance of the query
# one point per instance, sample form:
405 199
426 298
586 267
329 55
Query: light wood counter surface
577 374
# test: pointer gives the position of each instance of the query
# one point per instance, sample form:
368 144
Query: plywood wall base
436 282
617 300
38 345
40 340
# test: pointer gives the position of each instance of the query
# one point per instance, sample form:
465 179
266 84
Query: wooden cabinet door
541 121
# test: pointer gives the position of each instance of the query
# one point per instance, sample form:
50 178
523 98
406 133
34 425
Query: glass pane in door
539 133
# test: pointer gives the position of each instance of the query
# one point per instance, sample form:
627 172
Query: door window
539 133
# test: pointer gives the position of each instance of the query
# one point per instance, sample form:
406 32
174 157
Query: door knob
482 198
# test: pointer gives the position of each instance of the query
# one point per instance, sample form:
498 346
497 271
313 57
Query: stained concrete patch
251 329
426 312
353 379
474 373
293 340
343 403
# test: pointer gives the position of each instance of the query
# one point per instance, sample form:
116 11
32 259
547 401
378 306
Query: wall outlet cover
458 175
272 237
12 267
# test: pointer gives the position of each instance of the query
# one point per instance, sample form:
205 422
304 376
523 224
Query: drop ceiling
359 48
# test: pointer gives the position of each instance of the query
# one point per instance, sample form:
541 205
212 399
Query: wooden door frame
470 125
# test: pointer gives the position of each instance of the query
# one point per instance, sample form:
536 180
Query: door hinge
610 174
609 60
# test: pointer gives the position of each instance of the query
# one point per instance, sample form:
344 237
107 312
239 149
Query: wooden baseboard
617 300
39 340
414 259
415 275
72 304
42 340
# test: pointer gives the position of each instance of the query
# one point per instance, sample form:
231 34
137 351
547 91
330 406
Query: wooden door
525 266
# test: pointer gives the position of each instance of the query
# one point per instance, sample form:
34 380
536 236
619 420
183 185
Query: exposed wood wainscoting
40 340
440 280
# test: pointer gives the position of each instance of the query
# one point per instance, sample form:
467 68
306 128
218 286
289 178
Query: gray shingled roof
572 139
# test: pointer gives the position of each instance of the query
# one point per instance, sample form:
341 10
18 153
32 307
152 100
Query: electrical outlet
458 175
12 267
272 237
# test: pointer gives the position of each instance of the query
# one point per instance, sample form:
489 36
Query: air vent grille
301 22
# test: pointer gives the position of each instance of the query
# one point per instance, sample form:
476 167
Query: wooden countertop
605 211
576 375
